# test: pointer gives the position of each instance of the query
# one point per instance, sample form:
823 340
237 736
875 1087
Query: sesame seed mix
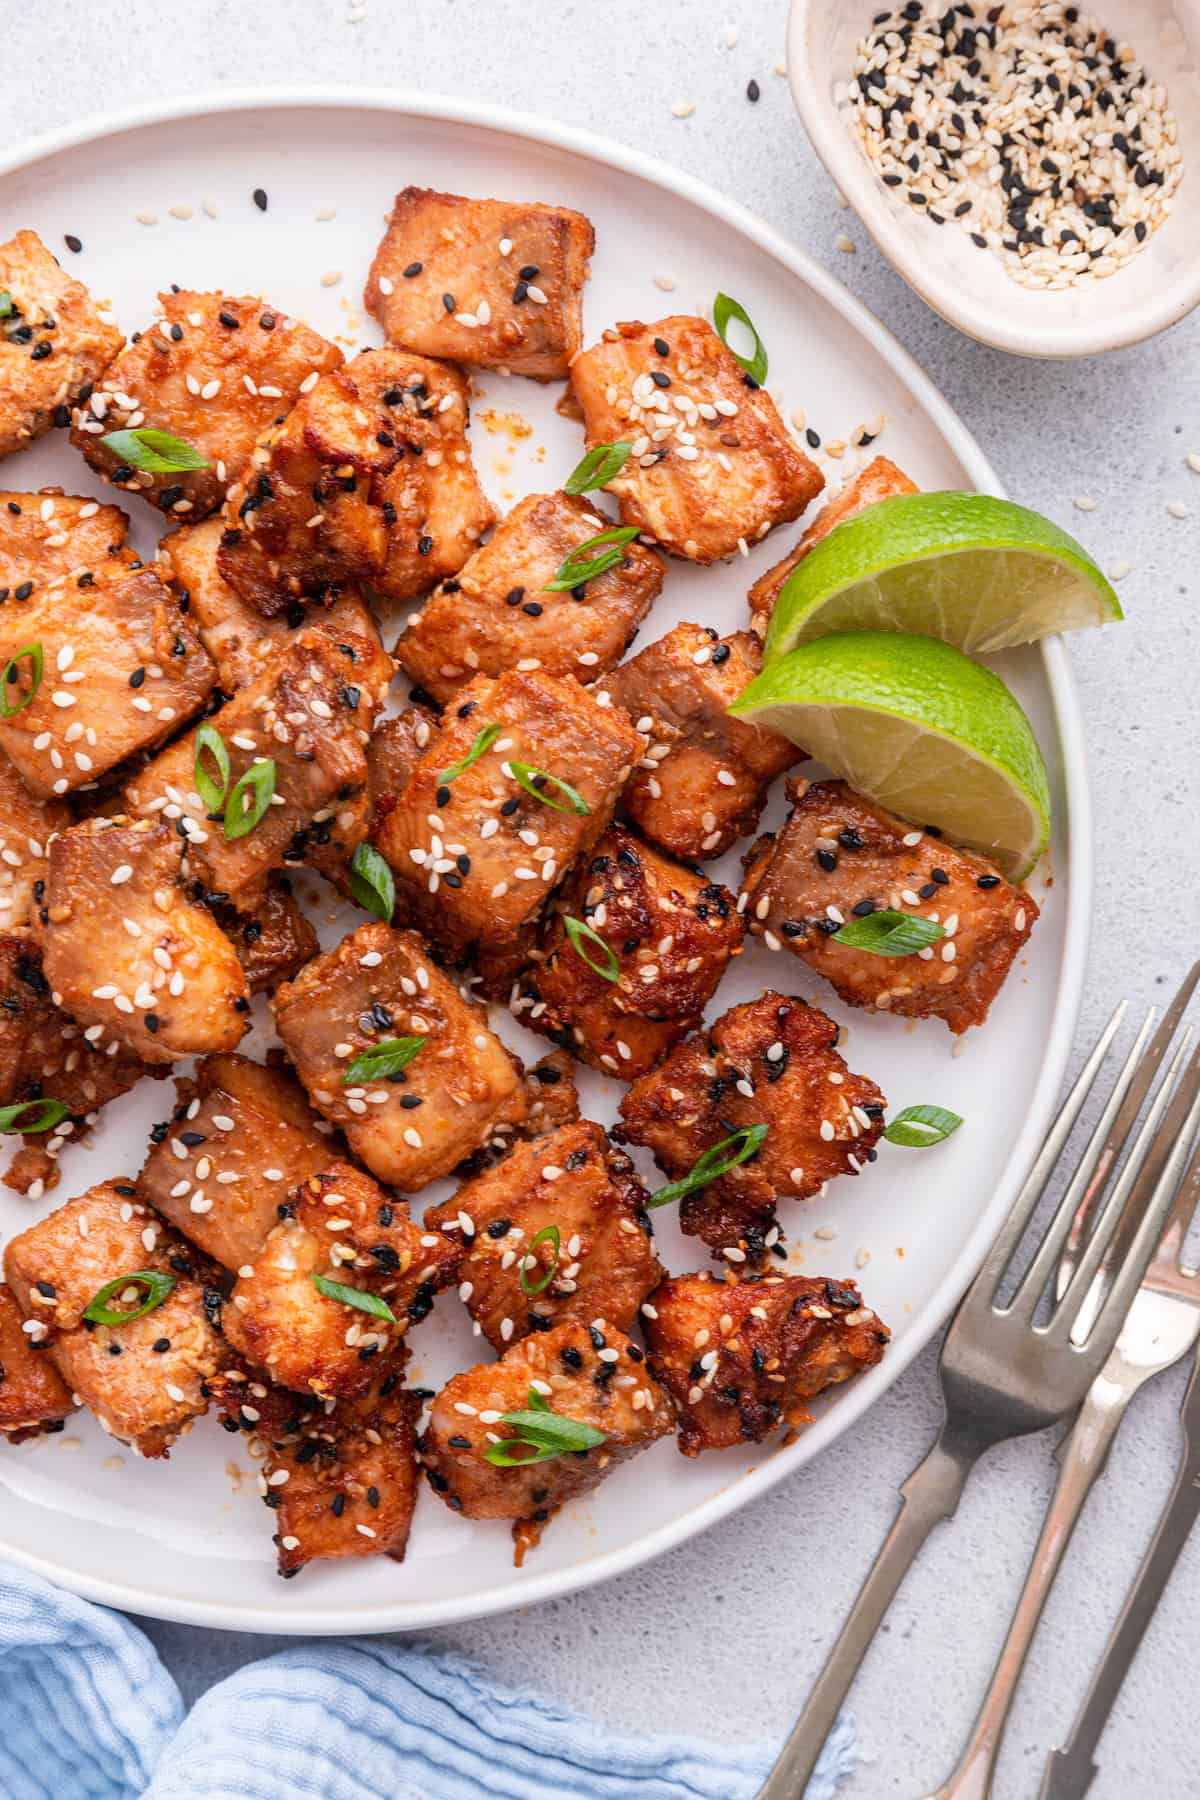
1028 127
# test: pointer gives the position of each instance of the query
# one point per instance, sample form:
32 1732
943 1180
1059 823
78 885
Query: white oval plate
189 1540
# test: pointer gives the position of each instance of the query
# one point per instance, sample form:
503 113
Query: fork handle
1081 1457
1070 1771
930 1494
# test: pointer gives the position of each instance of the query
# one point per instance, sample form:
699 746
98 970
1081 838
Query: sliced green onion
726 308
250 799
6 304
529 778
211 792
385 1058
367 1303
577 568
601 463
483 741
51 1111
738 1148
887 933
579 932
546 1434
9 676
372 883
917 1126
155 452
156 1283
549 1234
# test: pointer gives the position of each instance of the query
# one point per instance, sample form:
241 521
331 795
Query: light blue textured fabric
87 1712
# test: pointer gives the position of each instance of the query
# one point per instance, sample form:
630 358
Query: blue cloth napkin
88 1712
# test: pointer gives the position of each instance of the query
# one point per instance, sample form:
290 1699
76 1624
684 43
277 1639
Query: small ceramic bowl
969 286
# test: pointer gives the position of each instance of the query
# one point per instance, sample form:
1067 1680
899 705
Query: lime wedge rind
915 724
980 573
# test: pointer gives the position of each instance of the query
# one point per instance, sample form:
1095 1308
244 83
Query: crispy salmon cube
34 1398
580 1372
54 341
712 467
307 512
742 1358
880 480
340 1227
598 1259
839 857
490 283
434 507
309 713
45 1054
241 1138
703 781
340 1482
26 826
271 935
145 1380
121 670
771 1062
50 534
377 986
476 858
216 371
234 633
498 613
128 954
670 934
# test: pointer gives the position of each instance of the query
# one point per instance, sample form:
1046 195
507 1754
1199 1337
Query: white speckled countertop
653 1650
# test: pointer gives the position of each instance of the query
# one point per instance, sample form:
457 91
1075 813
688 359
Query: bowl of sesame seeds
1021 166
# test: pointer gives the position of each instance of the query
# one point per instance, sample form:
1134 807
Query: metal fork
1162 1325
1071 1771
1003 1374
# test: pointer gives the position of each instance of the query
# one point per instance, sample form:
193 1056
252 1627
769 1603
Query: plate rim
530 1589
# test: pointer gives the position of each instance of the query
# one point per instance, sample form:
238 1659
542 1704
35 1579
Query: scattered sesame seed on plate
1177 509
683 109
1085 503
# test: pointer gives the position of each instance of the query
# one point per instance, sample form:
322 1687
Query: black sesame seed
260 199
443 795
514 596
449 302
519 292
940 876
988 881
530 271
533 608
927 890
73 243
827 859
660 378
863 909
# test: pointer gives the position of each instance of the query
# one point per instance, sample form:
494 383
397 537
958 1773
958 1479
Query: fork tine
1127 1118
983 1287
1095 1164
1147 1183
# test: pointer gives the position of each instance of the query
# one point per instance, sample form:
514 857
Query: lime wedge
975 571
920 728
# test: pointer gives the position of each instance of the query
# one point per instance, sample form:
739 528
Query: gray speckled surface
653 1650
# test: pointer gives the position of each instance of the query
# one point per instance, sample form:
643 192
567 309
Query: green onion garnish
157 1285
724 309
6 304
600 464
579 932
917 1126
887 933
483 740
250 799
372 883
385 1058
739 1147
210 791
577 568
547 1434
368 1303
531 780
549 1234
155 452
46 1114
10 674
